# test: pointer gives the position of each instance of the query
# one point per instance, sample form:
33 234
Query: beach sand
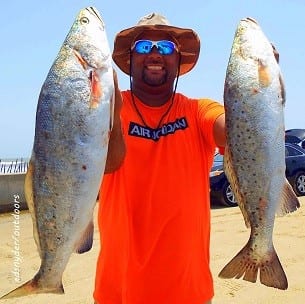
228 236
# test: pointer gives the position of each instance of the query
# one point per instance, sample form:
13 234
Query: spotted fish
254 98
73 121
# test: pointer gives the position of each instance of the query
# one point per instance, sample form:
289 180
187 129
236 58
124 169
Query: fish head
250 41
88 38
87 42
257 58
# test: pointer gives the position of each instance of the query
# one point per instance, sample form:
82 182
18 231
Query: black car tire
299 183
227 195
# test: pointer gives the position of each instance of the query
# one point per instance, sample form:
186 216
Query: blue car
295 167
221 191
295 136
220 188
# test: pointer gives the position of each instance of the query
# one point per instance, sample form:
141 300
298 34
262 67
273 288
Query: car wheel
299 183
228 195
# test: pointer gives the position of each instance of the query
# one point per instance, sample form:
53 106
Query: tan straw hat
187 40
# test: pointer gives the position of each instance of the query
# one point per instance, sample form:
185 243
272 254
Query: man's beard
154 80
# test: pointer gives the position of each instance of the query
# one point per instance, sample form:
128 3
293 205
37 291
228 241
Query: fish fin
246 266
233 180
289 201
85 242
275 53
32 287
264 76
29 197
96 90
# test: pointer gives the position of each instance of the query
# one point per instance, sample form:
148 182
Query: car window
218 158
290 151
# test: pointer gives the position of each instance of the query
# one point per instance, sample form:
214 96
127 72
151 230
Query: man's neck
153 98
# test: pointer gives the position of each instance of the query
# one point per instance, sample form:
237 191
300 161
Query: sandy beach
229 235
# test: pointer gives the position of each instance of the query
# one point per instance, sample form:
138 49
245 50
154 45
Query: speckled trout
73 121
254 98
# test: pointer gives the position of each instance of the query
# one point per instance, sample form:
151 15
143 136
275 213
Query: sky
32 33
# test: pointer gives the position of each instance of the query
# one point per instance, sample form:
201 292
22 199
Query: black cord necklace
162 117
133 100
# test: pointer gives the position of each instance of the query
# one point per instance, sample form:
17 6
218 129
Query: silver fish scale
255 153
70 153
255 120
70 149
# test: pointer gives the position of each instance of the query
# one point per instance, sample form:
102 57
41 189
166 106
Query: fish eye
84 20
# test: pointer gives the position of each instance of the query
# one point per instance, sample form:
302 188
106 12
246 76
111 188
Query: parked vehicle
295 136
295 167
221 190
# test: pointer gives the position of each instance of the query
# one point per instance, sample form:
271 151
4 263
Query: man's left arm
219 131
116 145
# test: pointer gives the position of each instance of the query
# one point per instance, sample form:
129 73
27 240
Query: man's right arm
116 145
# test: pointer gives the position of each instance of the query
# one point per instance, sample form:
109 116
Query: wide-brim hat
187 40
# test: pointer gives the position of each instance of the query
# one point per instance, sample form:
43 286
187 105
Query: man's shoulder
185 98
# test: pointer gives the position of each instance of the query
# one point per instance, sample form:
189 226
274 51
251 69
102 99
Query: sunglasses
164 47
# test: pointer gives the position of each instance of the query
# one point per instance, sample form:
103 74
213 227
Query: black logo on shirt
155 134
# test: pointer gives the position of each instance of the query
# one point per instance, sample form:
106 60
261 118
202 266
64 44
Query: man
154 212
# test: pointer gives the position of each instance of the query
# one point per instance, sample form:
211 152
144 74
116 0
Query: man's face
153 68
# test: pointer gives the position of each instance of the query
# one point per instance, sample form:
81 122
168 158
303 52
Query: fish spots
46 135
84 167
262 202
255 91
236 102
252 100
263 74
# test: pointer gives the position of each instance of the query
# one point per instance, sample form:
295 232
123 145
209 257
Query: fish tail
32 287
245 265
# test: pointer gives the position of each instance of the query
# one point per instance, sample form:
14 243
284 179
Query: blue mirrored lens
143 46
164 47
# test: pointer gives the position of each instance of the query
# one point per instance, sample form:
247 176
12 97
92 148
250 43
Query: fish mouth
250 19
92 10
